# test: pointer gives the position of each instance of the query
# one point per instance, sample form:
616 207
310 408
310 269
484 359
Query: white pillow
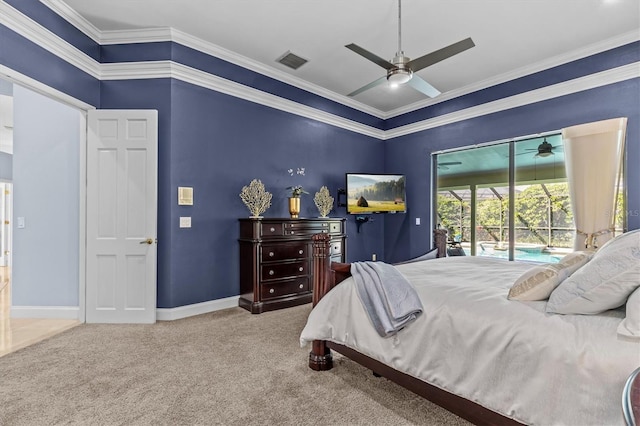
630 326
619 239
602 284
538 283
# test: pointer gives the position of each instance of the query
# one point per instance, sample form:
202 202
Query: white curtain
593 158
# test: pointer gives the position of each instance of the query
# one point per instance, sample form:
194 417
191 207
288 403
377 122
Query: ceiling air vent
291 60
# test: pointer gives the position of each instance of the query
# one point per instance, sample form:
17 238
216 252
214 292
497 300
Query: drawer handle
271 291
301 269
292 232
324 224
336 247
301 286
271 272
291 226
324 231
300 251
271 254
273 229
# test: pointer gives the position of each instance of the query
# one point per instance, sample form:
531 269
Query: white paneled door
121 216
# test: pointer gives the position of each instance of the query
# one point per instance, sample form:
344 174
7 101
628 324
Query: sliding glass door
472 198
508 200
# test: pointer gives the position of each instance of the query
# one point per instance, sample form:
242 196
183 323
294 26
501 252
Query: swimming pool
542 257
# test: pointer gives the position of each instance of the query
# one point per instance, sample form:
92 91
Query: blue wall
217 143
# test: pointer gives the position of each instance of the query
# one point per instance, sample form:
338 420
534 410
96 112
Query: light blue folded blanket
389 299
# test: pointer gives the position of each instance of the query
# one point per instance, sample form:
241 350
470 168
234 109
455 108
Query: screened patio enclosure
543 220
509 199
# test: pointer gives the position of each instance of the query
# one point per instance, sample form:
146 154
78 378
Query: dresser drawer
335 227
284 288
275 252
306 228
270 229
276 271
336 247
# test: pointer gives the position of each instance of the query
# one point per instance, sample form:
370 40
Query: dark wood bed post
320 358
440 241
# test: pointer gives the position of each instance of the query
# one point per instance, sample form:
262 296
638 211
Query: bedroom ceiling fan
401 70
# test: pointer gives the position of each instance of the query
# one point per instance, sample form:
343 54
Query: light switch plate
185 222
185 196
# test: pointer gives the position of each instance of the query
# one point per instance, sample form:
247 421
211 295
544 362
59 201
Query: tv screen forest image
375 193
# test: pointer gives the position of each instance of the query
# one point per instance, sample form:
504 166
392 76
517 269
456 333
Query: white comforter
508 356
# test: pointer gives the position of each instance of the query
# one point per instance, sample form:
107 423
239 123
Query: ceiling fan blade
370 56
374 83
422 86
440 55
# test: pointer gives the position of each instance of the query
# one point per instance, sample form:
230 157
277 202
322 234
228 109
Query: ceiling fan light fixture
399 76
545 149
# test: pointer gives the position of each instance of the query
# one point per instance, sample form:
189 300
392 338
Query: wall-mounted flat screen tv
375 193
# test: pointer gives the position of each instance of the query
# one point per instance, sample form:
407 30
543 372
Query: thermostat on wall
185 196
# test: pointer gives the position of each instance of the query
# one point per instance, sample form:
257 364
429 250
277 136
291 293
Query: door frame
15 77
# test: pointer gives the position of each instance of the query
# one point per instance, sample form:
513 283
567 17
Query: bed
487 358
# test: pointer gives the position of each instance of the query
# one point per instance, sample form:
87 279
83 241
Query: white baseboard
171 314
53 312
162 314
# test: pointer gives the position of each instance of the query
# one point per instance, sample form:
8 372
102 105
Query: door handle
147 241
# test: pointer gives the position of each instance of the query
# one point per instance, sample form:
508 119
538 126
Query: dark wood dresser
276 260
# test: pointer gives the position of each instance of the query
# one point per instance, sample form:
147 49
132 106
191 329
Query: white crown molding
139 35
244 62
170 69
16 77
150 35
170 34
548 63
592 81
31 30
171 314
74 18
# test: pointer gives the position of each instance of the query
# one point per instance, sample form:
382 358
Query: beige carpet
227 368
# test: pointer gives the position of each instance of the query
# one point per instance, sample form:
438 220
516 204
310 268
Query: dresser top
288 219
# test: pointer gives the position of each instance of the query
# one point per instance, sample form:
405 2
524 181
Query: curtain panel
593 160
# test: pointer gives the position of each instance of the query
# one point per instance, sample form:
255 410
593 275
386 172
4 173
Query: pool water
542 257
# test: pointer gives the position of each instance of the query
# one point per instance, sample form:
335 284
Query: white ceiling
512 37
